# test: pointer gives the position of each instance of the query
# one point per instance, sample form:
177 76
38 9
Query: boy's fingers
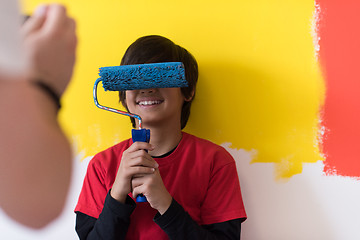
140 158
141 146
137 188
138 180
139 172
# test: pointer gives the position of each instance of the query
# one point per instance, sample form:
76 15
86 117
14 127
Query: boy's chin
153 122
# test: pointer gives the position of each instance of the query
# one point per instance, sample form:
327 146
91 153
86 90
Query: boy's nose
149 90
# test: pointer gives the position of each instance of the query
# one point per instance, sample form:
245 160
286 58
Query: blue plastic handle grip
140 135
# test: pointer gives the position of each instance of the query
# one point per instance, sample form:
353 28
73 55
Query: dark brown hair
156 49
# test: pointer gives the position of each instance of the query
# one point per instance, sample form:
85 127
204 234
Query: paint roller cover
143 76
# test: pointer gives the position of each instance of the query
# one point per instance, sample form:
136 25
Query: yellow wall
259 88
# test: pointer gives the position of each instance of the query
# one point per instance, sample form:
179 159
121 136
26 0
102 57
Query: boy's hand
134 162
152 186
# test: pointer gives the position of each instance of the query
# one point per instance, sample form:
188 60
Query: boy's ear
123 102
188 99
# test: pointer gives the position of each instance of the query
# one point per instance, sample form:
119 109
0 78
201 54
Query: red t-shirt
200 175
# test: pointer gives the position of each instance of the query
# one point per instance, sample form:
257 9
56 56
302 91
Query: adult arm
35 156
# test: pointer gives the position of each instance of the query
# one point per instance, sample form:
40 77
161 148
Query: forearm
35 155
112 223
179 225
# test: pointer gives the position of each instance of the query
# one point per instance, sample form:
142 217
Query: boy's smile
156 105
149 102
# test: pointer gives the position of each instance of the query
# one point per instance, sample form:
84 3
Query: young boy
191 184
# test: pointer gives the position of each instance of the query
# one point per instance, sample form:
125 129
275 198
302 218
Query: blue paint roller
139 76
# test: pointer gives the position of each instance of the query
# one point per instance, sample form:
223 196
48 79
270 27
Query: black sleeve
113 222
178 224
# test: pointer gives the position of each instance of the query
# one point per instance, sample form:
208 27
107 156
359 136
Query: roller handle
140 135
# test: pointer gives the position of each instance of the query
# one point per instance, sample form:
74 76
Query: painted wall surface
339 57
277 89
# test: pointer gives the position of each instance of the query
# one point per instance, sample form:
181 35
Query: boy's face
156 106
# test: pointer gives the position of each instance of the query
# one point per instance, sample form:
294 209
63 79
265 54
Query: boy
191 184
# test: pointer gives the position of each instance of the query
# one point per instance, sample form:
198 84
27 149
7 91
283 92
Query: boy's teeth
149 102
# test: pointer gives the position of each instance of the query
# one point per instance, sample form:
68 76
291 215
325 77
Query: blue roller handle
140 135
